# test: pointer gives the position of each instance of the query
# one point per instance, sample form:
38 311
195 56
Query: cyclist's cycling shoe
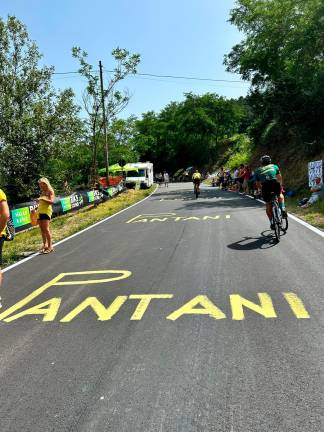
284 214
272 227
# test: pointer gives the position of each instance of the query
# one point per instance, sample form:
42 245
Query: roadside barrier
21 213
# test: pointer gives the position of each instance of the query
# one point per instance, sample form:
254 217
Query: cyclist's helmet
265 160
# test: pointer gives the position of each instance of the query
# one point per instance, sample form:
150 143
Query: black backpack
10 230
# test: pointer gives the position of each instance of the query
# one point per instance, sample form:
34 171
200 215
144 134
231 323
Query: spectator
236 179
252 184
45 213
166 179
227 179
159 178
221 175
317 192
246 178
240 177
4 216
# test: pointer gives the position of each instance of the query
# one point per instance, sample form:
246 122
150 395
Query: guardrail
20 213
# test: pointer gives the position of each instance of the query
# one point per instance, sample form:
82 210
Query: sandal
47 251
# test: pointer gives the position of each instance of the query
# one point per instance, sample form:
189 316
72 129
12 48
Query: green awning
112 169
128 167
116 168
180 171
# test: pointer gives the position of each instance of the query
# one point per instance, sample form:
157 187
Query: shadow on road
228 202
265 241
209 198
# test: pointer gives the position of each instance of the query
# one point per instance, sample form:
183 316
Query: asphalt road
233 344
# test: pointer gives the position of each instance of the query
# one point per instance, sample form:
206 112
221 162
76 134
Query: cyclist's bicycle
278 222
196 189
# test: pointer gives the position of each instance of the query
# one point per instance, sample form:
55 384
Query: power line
189 78
165 76
177 82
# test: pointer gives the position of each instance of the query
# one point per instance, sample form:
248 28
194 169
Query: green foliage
121 140
240 151
114 100
282 55
35 121
189 133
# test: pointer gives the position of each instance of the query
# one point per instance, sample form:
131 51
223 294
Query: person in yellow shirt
45 213
4 216
196 179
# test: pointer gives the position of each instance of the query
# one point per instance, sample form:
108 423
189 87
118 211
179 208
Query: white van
142 174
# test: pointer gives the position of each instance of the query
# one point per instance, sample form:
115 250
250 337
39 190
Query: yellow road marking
211 217
296 305
207 308
133 219
48 309
164 217
30 297
145 300
123 275
103 313
265 308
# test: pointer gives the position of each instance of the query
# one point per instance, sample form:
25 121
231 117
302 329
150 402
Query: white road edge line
297 219
307 225
76 234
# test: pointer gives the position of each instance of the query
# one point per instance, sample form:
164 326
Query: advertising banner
66 204
20 216
20 213
315 169
90 195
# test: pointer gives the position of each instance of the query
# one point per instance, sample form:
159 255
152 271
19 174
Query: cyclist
196 179
269 179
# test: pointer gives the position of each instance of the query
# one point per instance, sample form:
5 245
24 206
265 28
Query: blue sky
174 37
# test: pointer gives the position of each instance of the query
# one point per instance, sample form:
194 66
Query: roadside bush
240 151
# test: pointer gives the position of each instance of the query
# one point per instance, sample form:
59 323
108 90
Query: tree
189 133
282 55
121 139
115 100
34 119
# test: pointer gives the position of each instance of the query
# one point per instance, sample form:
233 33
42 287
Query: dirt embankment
293 164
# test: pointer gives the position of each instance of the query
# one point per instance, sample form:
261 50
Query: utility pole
104 122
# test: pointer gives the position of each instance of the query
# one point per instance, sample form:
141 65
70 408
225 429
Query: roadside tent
113 169
130 168
178 173
116 168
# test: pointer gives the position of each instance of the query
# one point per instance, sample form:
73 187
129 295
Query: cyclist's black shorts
268 187
196 181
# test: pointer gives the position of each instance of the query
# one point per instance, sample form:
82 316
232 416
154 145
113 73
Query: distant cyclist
268 177
196 179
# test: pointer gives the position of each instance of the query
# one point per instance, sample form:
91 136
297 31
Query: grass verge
314 215
63 226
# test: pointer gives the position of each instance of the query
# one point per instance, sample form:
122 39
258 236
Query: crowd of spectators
241 179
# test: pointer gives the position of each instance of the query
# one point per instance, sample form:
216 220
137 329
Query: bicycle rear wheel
276 218
284 224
